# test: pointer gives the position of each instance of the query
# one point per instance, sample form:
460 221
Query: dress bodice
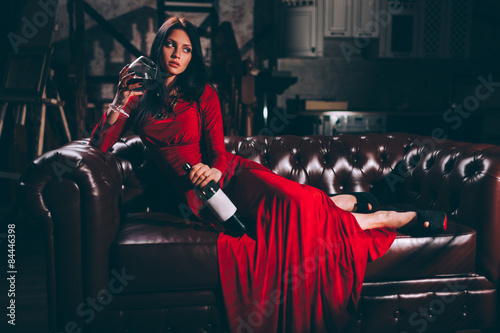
192 133
181 127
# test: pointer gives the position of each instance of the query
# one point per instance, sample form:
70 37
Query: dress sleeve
105 135
213 130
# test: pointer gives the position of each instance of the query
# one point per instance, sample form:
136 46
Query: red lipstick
174 64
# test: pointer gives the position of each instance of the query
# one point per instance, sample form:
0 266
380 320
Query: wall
137 20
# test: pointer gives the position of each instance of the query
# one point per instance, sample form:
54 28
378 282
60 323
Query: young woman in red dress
302 267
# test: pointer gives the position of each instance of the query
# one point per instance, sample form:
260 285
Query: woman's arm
116 121
112 126
201 174
213 130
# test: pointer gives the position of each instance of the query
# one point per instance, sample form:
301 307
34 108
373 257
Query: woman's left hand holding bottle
201 174
123 95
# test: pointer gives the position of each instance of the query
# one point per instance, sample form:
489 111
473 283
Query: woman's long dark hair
190 84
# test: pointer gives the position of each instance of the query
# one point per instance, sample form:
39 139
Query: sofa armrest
463 180
73 194
476 178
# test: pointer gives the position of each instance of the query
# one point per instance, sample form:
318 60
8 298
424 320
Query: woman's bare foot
346 202
385 219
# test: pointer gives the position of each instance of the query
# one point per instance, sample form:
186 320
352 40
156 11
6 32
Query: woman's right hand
124 93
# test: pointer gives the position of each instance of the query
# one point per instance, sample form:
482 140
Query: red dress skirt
301 267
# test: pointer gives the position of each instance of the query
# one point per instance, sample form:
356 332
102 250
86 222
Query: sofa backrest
462 179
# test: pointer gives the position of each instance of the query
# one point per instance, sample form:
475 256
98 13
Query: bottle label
221 206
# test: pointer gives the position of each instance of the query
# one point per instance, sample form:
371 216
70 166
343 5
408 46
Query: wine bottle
218 202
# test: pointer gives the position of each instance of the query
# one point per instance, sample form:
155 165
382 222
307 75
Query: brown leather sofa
125 256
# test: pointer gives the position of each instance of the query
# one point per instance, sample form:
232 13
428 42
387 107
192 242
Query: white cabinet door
301 32
338 18
365 23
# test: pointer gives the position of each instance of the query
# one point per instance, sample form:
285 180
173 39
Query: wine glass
145 71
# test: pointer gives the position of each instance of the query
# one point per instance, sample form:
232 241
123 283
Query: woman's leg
385 219
347 202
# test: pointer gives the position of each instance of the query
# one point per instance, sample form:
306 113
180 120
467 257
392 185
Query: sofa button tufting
397 314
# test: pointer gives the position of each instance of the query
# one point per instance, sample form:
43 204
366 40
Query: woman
302 268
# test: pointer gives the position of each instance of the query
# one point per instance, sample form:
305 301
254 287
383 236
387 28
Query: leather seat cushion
447 253
165 252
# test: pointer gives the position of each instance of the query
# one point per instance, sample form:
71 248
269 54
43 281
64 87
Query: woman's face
176 53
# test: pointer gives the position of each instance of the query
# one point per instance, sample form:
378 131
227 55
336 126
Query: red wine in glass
144 70
147 84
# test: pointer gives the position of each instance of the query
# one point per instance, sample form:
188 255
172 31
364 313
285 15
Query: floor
30 283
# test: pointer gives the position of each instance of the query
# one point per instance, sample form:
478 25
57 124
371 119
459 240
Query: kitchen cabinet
405 28
445 29
399 37
365 21
351 18
458 30
426 29
302 28
338 18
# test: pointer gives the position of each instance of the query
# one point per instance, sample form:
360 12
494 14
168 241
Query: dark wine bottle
218 202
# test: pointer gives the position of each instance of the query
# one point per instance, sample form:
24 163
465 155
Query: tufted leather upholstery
102 213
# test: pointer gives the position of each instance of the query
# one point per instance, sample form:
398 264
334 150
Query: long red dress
303 266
